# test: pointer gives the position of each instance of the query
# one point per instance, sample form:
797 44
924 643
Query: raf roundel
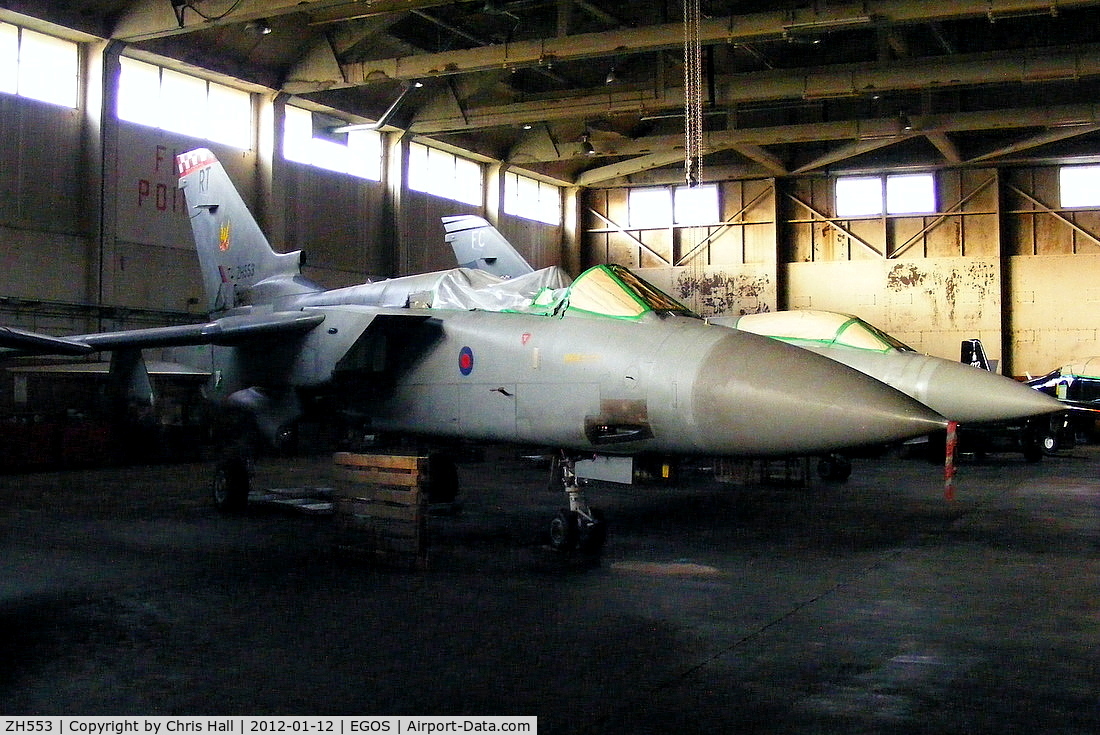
466 361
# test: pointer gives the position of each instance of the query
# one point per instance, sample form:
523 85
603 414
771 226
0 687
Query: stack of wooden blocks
379 506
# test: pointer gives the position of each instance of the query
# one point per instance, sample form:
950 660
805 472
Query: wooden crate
379 506
784 472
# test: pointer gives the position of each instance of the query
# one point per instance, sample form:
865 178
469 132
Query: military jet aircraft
968 394
959 391
606 364
955 390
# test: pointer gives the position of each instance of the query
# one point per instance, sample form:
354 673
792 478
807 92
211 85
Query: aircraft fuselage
660 384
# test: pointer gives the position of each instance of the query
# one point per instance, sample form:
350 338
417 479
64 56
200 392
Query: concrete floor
873 606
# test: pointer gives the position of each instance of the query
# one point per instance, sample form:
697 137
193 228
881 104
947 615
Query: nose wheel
579 527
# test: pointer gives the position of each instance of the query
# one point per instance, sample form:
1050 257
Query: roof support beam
857 148
852 80
765 158
632 166
732 29
148 19
1051 136
864 136
886 130
945 146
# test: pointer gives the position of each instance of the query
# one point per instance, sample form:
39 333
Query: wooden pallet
379 506
784 472
309 500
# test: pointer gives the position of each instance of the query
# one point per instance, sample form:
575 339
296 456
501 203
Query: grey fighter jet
953 389
959 391
962 392
607 364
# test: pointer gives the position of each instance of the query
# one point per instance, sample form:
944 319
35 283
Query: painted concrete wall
931 304
1055 309
998 260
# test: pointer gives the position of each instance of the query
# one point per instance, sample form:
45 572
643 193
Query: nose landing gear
578 527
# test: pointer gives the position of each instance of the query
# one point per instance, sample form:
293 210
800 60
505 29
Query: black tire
592 535
1050 443
834 468
442 479
286 440
230 485
564 531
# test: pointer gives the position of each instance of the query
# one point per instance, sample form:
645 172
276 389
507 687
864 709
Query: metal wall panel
41 168
339 221
422 236
43 266
538 242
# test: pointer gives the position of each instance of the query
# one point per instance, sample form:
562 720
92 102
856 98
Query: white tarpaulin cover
466 289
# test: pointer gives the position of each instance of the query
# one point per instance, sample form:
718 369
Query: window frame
24 75
1077 201
659 207
145 106
847 194
360 154
544 205
444 174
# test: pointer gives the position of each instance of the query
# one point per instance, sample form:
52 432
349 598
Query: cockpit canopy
1078 381
613 291
822 328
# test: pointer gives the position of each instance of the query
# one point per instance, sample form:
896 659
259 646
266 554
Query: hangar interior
931 167
989 104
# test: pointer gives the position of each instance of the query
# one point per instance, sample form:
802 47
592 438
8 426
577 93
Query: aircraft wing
228 330
30 343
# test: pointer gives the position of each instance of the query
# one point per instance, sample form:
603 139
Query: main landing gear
578 527
231 483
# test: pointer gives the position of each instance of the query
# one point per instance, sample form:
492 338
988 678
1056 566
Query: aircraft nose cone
759 396
971 395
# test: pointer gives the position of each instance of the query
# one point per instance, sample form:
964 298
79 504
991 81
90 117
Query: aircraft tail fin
973 354
238 265
478 245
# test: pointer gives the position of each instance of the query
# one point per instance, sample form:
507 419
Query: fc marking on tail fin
477 244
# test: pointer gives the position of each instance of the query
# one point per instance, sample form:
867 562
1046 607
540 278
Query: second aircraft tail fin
972 353
478 245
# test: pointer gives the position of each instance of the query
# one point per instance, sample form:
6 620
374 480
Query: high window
444 174
677 205
39 66
307 139
1079 186
868 196
531 199
161 98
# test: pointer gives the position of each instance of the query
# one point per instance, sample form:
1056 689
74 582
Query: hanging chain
693 138
693 92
